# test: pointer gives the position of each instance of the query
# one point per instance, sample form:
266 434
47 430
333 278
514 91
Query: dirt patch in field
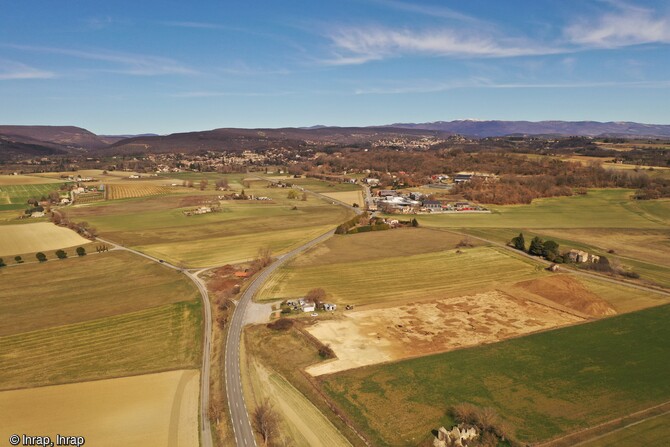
153 409
569 292
378 335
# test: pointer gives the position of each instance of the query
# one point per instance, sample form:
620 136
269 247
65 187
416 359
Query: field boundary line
569 441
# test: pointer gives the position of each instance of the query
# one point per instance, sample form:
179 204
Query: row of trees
41 257
538 247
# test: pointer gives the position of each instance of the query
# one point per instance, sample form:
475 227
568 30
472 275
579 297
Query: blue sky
168 66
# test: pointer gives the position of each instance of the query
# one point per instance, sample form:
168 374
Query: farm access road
205 427
238 412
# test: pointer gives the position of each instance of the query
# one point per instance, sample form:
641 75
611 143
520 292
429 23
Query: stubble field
34 237
156 409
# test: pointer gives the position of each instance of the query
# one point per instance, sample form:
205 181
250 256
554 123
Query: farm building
388 193
241 274
329 306
432 205
308 306
580 256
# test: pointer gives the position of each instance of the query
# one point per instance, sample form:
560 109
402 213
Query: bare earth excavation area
378 335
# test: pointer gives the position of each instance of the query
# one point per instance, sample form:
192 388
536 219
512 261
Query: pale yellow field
25 180
29 238
348 197
149 410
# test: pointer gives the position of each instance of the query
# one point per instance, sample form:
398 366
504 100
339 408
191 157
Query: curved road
205 428
244 435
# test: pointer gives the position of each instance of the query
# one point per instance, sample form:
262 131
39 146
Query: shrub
81 251
283 324
61 254
326 352
2 263
18 259
41 257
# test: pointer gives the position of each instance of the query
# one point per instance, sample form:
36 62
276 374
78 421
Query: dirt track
373 336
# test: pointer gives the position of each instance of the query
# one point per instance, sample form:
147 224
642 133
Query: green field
15 197
78 289
653 432
398 277
151 340
605 208
158 226
544 385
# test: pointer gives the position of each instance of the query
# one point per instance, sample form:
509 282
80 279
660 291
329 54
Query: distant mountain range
482 129
53 140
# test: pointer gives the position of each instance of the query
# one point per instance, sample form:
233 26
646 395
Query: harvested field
157 225
543 385
26 180
139 189
156 339
379 245
348 197
149 410
85 288
569 292
380 335
41 236
402 279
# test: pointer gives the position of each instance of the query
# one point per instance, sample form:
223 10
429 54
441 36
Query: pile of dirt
569 292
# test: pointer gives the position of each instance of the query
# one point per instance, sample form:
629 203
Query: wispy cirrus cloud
218 94
441 12
119 62
435 87
10 70
360 45
197 25
625 26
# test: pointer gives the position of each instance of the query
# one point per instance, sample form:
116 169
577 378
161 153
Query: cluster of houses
238 196
200 210
309 306
581 257
459 436
417 203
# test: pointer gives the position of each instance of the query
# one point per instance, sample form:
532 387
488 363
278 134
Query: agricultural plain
78 289
604 208
397 279
543 385
15 196
34 237
154 409
234 233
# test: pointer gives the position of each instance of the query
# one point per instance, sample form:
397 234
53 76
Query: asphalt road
205 428
244 435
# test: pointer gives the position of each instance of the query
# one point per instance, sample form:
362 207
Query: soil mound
569 292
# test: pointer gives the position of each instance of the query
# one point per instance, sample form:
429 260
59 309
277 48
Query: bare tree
203 184
265 421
